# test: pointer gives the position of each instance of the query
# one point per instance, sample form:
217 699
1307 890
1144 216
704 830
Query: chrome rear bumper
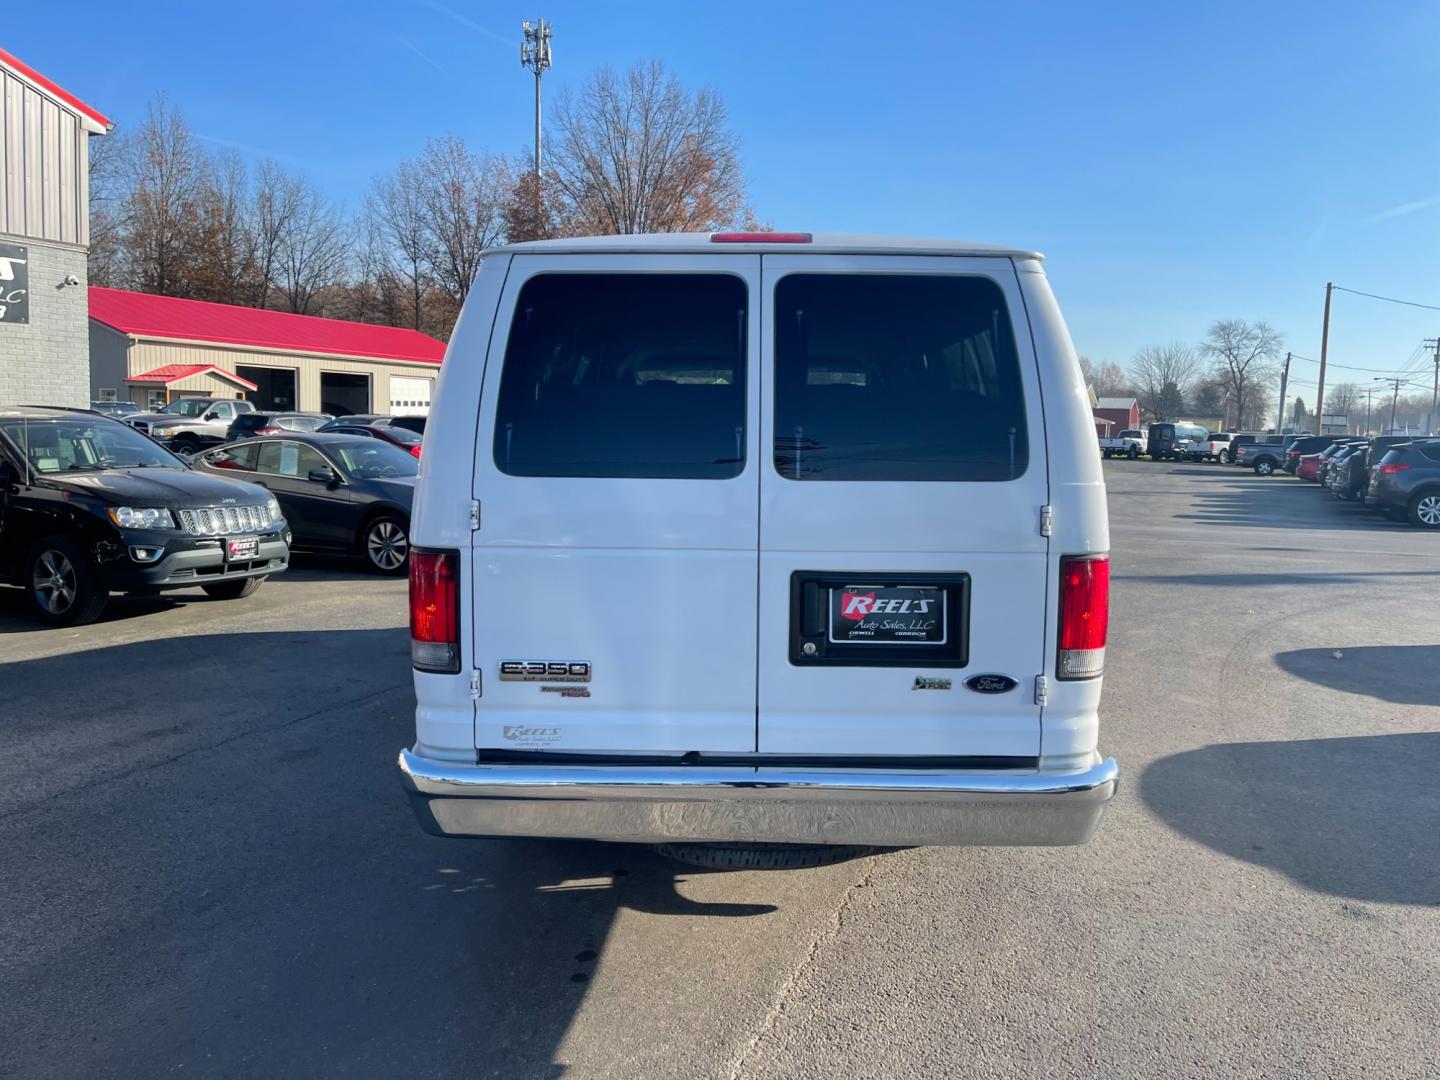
653 804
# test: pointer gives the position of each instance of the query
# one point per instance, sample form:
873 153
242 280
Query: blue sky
1177 166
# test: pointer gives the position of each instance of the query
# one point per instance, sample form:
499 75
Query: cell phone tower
535 55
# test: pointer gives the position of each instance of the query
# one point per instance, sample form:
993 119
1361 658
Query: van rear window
625 375
896 377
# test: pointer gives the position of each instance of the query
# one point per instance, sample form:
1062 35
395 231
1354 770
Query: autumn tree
1162 376
637 152
530 209
1244 356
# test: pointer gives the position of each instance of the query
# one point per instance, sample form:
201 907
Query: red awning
173 373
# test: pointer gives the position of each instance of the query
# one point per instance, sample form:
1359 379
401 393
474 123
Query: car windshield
67 445
372 459
186 407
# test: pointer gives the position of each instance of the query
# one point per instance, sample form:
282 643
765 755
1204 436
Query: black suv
90 506
1406 483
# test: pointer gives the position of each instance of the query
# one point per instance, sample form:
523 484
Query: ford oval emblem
991 684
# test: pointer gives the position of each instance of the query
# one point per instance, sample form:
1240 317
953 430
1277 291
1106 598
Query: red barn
1123 412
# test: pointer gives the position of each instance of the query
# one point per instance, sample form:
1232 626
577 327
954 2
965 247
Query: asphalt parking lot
208 868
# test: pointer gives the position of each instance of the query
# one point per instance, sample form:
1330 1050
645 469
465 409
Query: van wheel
233 590
766 856
62 584
385 543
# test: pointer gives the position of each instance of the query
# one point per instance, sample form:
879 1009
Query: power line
1389 299
1347 367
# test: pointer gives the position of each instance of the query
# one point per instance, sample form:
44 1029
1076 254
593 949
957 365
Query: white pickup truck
1214 447
1130 443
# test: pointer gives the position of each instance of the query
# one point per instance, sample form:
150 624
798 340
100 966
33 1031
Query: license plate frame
888 615
816 599
241 548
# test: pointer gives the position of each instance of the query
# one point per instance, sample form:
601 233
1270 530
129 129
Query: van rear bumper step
649 804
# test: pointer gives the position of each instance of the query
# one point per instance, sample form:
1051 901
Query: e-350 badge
550 671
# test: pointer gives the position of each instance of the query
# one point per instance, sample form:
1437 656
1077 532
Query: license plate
888 615
244 547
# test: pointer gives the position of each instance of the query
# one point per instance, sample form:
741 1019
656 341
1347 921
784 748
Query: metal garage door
410 396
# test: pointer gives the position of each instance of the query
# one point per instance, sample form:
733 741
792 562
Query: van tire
739 856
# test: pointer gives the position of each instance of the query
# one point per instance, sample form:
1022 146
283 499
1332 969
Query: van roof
819 244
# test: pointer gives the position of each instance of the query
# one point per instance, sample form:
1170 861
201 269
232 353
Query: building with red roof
152 349
45 131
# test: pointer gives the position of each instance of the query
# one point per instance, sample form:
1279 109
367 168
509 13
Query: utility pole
1284 378
1434 343
535 55
1368 391
1395 401
1324 352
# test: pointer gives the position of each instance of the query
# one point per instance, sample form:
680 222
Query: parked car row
1396 475
91 506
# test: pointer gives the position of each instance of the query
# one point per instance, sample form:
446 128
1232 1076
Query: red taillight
415 450
760 238
268 431
1084 615
434 610
1391 470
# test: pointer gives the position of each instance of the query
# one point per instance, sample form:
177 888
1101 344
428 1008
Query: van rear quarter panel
445 712
1069 724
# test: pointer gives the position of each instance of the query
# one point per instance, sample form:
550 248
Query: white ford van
760 539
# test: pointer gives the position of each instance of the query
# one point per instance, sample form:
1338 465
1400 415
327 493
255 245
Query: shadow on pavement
210 868
1402 674
1350 817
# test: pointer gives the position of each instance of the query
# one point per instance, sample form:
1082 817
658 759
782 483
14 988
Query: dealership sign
14 283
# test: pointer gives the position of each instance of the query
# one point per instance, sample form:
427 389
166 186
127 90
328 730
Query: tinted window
896 377
376 460
240 456
638 375
1430 450
250 421
289 459
63 445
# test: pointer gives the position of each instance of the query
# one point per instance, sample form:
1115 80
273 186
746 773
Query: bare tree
1245 356
638 153
313 249
165 186
1111 380
1344 399
462 199
109 206
398 241
1162 376
276 202
225 256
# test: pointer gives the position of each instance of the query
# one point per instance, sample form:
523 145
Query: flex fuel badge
924 683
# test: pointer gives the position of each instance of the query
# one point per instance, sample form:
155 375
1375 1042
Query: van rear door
614 568
903 574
